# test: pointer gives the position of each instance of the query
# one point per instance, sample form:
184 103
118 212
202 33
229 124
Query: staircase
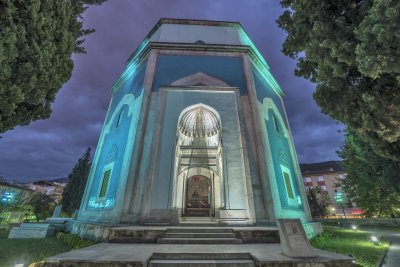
201 259
199 236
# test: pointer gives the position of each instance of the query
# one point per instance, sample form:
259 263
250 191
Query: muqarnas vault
196 129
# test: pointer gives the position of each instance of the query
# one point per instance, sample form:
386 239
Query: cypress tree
372 180
351 49
37 39
73 192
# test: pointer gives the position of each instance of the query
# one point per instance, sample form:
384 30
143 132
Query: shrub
75 241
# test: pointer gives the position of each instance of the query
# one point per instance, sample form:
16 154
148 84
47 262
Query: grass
27 251
345 241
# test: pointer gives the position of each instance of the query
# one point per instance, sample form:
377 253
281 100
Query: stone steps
199 241
169 235
202 263
201 259
199 236
199 230
199 223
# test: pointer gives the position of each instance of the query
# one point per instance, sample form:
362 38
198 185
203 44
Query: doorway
198 163
199 196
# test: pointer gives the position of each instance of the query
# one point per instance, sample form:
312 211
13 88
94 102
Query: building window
289 188
104 184
307 179
323 187
341 176
320 178
275 123
120 117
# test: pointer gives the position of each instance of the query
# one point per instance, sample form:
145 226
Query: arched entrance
198 163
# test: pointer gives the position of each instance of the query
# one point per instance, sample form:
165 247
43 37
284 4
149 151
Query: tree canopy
42 206
319 203
351 50
37 38
372 181
73 192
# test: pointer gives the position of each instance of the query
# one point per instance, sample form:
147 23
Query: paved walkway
140 254
393 256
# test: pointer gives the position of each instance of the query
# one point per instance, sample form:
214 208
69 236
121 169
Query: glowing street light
375 240
354 227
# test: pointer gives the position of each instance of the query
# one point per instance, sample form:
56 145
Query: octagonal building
196 130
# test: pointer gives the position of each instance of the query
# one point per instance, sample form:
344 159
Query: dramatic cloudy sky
50 148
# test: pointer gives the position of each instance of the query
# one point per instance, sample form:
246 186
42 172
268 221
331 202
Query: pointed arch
268 104
200 78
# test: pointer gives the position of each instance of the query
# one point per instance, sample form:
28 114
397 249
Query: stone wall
97 232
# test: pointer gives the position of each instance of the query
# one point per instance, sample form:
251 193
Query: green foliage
351 49
75 241
3 233
42 206
16 212
73 192
37 38
319 203
347 242
371 180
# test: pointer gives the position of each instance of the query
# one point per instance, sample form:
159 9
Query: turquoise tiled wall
112 148
173 67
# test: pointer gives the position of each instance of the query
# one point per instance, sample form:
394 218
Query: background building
53 188
11 193
328 176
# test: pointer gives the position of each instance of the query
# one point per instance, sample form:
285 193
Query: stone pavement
393 255
111 254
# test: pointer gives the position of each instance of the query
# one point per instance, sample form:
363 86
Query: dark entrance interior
198 196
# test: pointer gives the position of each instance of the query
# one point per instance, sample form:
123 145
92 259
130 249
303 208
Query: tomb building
196 130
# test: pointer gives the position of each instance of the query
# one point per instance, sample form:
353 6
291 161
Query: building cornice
146 47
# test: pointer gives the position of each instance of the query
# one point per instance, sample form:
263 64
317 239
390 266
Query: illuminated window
104 183
288 184
323 187
320 178
307 179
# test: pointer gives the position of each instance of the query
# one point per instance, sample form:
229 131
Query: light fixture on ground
354 227
375 240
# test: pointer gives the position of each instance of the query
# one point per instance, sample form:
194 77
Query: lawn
26 251
345 241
